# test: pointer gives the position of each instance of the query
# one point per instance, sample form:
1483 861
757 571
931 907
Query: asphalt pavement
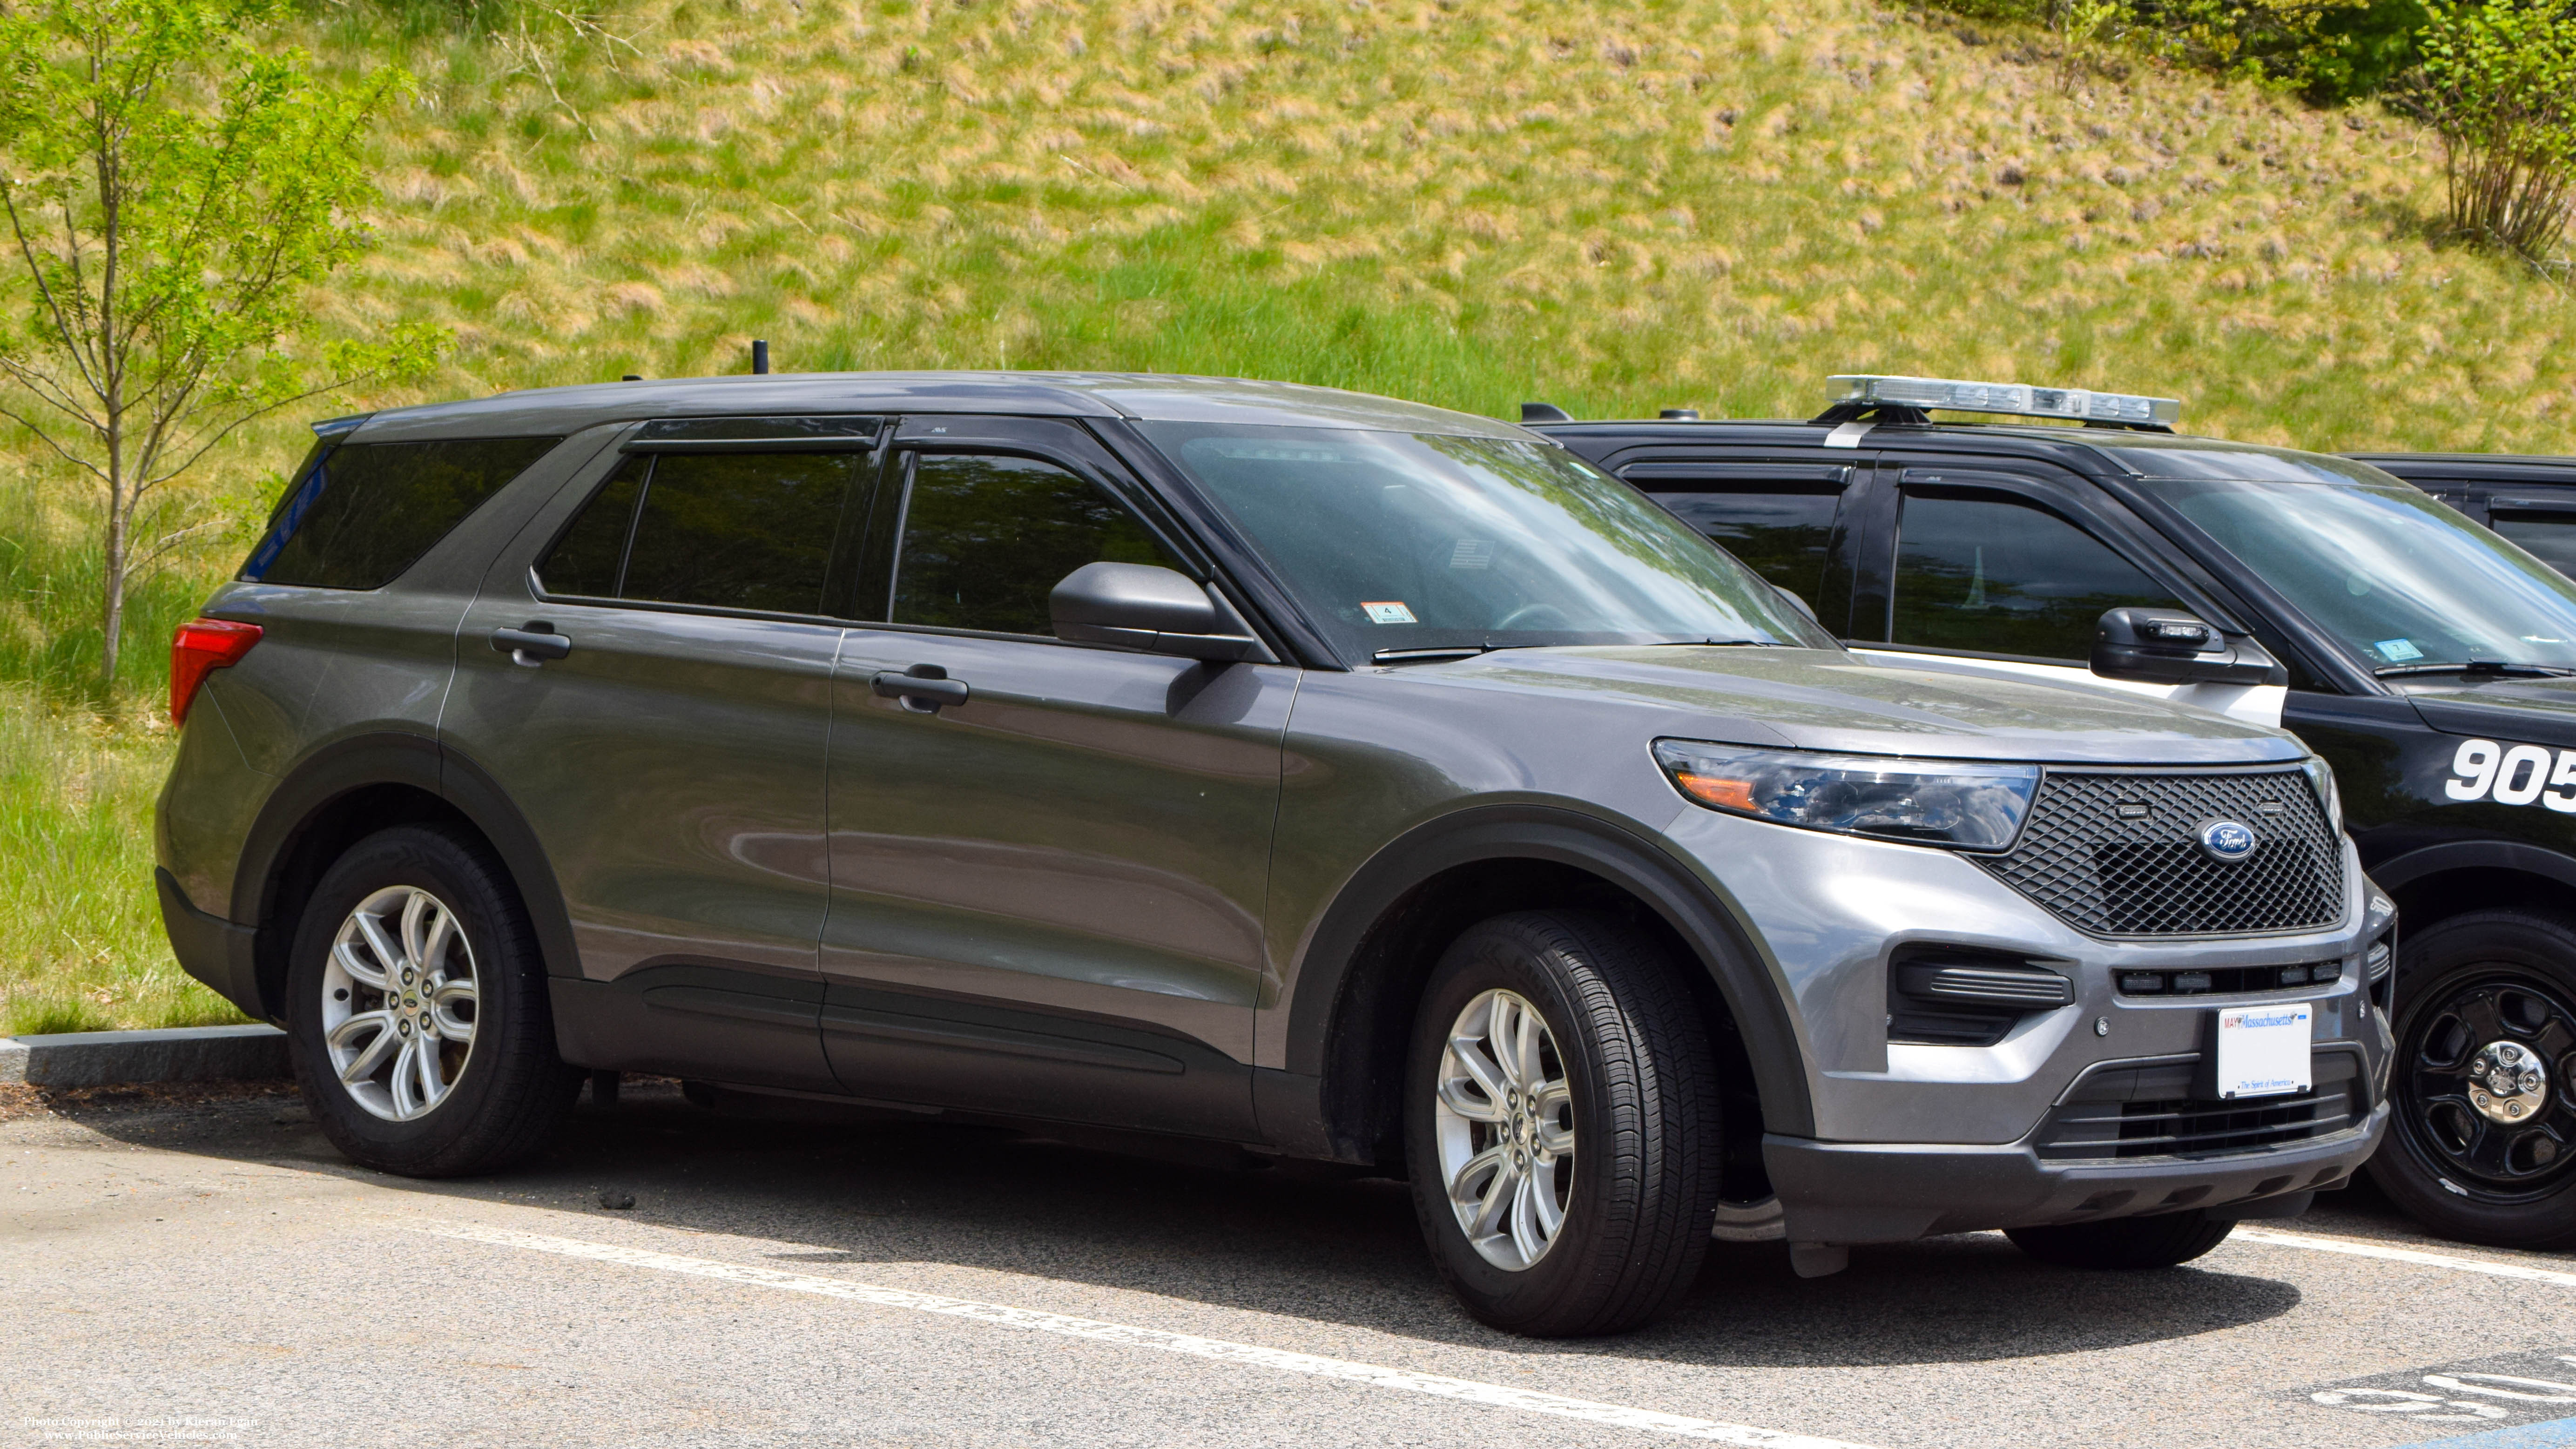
196 1265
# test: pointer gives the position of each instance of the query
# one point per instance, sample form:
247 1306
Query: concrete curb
118 1058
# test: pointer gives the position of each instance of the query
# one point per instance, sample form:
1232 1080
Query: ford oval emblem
2227 840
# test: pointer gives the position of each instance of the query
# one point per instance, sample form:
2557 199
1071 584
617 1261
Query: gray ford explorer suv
1349 780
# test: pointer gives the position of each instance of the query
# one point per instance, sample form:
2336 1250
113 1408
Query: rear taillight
202 645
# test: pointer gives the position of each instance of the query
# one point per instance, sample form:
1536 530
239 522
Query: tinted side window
588 559
738 530
985 540
2004 577
1780 534
750 531
2551 536
367 511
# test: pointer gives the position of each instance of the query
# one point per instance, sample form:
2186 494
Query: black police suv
2430 660
2530 500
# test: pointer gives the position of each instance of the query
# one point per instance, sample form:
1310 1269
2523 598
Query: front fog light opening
1961 804
1962 996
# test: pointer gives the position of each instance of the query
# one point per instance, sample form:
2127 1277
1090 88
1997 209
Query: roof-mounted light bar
2011 398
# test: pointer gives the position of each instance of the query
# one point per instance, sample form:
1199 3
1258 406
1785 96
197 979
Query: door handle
533 645
922 689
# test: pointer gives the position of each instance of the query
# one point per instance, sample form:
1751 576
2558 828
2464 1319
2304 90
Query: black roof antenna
1539 412
759 356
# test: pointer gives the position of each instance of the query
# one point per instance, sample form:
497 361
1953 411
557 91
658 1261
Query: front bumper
1831 914
1884 1192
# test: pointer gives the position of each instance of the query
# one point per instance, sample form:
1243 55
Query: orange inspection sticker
1389 614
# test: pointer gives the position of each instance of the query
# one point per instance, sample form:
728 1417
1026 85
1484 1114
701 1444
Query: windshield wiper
2476 666
1440 652
1426 656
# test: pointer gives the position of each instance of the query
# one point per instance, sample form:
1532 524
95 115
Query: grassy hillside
1614 207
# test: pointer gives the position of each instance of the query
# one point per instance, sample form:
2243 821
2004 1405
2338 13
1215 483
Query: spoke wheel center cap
2507 1083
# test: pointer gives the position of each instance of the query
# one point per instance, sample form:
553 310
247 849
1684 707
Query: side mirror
1144 607
1798 602
2165 646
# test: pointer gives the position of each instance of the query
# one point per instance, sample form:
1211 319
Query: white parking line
1002 1315
2365 1248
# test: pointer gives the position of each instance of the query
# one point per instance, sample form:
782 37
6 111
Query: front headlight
1957 803
2321 775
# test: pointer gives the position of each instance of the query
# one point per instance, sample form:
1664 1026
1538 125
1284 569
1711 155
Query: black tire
508 1090
1642 1185
2500 976
2159 1241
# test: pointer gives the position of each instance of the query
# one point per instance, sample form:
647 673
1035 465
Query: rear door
2002 573
1048 881
647 675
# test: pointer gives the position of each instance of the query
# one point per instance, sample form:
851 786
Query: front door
649 680
1992 575
1047 879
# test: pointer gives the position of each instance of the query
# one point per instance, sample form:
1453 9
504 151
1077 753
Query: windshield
2404 581
1396 542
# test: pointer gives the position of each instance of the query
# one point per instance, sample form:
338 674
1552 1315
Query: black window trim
891 475
1822 477
592 601
863 486
899 473
778 433
1846 482
329 438
2049 496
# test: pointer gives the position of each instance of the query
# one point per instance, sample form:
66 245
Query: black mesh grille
2185 1128
2118 854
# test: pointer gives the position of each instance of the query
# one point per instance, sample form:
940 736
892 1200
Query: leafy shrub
2363 49
2327 50
2499 83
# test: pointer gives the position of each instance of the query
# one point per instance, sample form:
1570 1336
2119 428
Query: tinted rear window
367 511
1782 534
749 531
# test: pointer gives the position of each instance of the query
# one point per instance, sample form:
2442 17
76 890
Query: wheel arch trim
2401 871
1707 926
391 758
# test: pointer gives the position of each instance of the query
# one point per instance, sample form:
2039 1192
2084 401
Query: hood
1825 699
2534 711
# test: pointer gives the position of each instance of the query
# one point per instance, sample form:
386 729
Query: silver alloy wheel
1503 1113
2507 1082
398 1003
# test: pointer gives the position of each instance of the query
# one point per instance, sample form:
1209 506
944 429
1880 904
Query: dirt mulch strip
19 1100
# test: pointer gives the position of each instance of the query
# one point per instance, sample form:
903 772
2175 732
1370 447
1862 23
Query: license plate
2263 1050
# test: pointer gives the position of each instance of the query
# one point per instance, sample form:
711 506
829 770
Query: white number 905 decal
2513 775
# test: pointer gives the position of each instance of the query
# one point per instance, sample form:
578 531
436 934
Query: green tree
2499 83
173 192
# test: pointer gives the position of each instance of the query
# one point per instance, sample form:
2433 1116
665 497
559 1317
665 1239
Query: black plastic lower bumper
1878 1192
210 948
